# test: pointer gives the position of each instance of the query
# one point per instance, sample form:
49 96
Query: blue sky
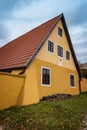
19 16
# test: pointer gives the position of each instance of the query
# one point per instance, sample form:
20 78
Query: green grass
64 114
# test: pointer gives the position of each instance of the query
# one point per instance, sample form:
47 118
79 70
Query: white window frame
42 75
63 51
60 34
53 46
69 55
70 81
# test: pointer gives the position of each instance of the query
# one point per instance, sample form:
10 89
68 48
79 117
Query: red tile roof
18 52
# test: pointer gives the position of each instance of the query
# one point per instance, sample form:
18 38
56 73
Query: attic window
60 32
59 51
67 55
50 46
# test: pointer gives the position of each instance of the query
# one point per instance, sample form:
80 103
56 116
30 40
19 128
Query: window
67 55
45 76
72 82
60 32
60 51
50 46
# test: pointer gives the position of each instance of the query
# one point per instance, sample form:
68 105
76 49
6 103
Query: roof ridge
40 46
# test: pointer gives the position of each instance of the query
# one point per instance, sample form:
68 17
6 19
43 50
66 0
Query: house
45 56
83 65
83 69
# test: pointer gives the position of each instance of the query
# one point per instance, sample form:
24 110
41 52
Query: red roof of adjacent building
20 52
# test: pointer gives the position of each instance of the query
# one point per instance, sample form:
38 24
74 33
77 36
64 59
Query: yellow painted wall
31 93
60 82
59 74
16 72
84 85
47 56
11 88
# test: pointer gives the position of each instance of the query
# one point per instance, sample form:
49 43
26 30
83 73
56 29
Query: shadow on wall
11 90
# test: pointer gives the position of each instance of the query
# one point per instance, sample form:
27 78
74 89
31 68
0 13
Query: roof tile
16 53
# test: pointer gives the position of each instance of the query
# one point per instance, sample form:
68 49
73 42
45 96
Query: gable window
60 31
67 55
72 81
50 46
45 76
60 51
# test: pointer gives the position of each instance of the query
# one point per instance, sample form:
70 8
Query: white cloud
79 40
82 59
26 16
3 42
79 34
81 51
45 9
36 9
17 27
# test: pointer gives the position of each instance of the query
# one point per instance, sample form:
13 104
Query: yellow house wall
16 72
31 93
47 56
11 87
59 74
84 85
60 82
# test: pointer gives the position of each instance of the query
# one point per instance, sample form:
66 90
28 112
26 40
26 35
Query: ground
56 114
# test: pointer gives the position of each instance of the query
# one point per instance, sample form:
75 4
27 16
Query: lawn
64 114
